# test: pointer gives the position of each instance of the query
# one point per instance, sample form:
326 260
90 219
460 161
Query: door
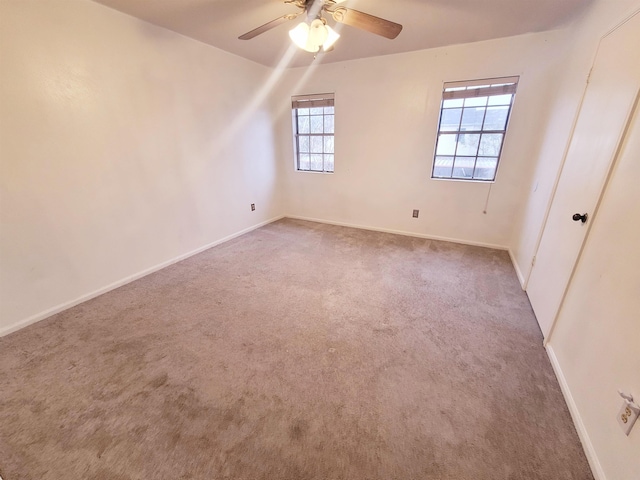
596 338
605 113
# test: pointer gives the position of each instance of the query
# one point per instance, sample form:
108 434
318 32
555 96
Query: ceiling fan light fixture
317 34
332 37
314 33
300 35
311 37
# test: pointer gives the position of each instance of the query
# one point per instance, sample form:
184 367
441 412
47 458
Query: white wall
121 149
124 146
576 56
595 344
596 339
387 112
386 116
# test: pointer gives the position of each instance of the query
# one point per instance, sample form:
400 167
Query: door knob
583 217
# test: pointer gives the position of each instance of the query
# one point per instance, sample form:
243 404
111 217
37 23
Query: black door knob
583 217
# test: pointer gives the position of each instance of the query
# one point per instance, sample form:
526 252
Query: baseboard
516 267
401 232
83 298
590 452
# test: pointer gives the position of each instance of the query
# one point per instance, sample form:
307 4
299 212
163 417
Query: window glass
468 144
472 119
442 166
463 167
313 129
475 101
328 123
472 127
496 118
303 124
450 119
500 100
446 144
303 143
456 102
328 144
490 145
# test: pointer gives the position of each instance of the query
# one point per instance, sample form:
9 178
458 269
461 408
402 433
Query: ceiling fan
314 33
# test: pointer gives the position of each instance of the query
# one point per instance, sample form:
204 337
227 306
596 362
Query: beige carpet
298 351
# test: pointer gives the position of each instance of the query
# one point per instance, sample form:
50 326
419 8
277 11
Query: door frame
632 113
613 161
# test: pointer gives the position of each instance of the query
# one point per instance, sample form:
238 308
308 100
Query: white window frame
315 105
478 159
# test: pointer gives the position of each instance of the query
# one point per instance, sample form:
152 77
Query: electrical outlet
253 207
416 213
628 413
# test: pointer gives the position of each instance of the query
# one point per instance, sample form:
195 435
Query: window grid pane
314 139
471 133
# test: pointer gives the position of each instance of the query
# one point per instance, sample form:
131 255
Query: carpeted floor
298 351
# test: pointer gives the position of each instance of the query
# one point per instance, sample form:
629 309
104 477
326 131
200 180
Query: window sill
462 180
313 171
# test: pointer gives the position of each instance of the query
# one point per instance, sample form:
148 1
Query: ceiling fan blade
367 22
268 26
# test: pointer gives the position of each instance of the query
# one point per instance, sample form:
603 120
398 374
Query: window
473 122
313 132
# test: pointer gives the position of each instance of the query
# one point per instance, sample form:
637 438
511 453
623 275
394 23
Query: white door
596 338
604 116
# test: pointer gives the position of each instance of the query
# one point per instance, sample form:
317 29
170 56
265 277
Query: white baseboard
401 232
516 267
83 298
592 458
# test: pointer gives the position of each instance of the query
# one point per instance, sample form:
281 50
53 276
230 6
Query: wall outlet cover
628 414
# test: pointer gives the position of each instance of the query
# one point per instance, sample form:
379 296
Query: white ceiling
427 24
